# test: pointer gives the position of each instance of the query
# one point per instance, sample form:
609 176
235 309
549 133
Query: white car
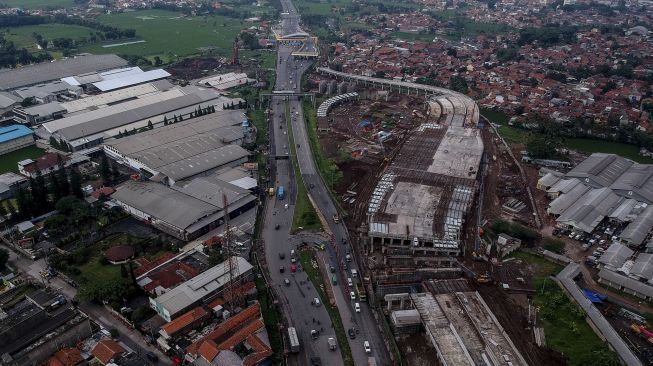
352 295
316 301
357 307
367 347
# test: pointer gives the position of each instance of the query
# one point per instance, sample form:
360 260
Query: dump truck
271 191
293 339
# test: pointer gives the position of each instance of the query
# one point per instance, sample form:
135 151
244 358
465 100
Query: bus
281 193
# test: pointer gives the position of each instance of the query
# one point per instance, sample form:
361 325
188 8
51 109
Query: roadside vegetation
327 167
306 259
272 320
305 215
565 328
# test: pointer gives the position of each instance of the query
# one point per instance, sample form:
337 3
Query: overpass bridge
458 108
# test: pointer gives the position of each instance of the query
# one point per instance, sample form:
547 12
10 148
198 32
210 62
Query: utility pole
232 299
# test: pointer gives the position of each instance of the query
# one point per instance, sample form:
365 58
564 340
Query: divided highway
296 297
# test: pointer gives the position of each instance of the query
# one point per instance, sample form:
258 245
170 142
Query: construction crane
232 294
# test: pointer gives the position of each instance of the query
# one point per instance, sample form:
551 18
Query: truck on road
336 219
281 193
332 343
293 339
271 191
360 289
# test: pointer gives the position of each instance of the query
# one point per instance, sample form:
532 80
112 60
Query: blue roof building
15 137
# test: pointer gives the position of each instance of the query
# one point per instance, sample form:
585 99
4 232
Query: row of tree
10 55
42 195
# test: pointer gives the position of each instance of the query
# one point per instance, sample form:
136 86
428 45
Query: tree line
43 193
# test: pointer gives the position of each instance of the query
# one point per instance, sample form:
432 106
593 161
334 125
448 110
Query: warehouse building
116 79
603 188
15 137
90 128
49 92
200 289
43 72
187 149
10 183
183 212
39 113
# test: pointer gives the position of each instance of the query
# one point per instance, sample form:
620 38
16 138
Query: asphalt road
133 339
289 72
296 298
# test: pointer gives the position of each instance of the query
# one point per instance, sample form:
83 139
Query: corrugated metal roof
208 160
47 71
601 170
563 202
13 132
629 283
636 231
131 79
616 255
643 266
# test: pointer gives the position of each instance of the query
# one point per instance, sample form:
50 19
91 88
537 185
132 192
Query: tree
165 120
24 202
543 146
4 258
62 178
216 257
11 209
157 61
3 211
76 184
174 120
115 172
149 125
54 143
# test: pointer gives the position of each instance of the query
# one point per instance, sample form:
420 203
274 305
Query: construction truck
271 191
360 290
484 278
293 339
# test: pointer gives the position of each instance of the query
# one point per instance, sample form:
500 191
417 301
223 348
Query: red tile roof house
244 327
107 350
194 319
46 164
65 357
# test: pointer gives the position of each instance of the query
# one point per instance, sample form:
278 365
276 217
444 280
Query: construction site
414 176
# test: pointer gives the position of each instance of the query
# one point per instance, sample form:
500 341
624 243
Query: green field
565 327
39 4
22 36
170 35
8 161
514 135
409 37
592 146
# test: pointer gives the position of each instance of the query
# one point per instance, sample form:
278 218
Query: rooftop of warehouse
13 132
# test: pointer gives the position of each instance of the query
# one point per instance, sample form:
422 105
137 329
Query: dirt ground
417 350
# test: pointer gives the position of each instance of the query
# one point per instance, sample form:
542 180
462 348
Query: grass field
316 279
266 58
514 135
426 37
327 167
39 4
8 161
171 36
22 36
564 322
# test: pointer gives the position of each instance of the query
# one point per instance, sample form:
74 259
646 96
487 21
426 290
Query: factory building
89 128
44 72
202 288
603 188
15 137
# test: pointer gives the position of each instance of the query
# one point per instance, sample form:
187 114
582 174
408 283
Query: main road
289 74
